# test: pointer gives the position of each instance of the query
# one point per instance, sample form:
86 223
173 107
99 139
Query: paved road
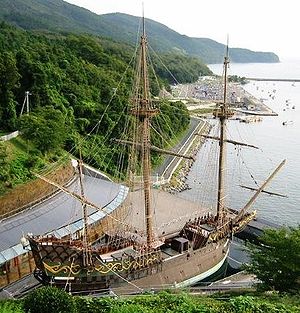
170 162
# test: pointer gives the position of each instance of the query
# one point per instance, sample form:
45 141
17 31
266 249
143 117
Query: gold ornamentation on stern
66 269
126 265
104 268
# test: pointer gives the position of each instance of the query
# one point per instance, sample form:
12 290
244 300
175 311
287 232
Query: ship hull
180 270
183 270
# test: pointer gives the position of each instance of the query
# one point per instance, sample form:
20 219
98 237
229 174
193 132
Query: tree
46 128
4 168
9 81
276 260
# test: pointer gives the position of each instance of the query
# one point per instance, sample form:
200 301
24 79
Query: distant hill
57 15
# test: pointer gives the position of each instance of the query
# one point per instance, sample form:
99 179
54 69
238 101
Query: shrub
10 306
93 305
49 300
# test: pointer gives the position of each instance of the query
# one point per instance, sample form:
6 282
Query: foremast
144 110
222 113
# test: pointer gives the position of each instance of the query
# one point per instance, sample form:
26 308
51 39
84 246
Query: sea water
277 137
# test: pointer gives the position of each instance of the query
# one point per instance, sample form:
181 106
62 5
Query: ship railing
156 180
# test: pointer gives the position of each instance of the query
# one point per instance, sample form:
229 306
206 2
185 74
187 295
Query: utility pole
26 102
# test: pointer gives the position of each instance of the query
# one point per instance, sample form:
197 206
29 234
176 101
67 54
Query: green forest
80 87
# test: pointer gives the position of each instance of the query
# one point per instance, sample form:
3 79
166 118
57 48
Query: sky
259 25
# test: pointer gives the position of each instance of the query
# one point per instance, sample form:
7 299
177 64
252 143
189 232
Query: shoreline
179 168
256 107
203 96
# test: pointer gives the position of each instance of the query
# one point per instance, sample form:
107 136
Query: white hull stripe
195 279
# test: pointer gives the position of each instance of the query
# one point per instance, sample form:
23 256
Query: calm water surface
275 140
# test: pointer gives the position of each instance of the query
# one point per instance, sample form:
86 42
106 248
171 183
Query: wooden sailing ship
126 261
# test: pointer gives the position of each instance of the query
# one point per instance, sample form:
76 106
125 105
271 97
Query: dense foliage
45 127
8 84
52 300
80 87
237 79
18 159
10 306
56 15
276 260
4 167
181 68
48 300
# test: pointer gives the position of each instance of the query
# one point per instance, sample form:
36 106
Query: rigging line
134 132
101 147
160 127
248 170
73 213
82 200
211 169
160 135
50 167
127 281
125 107
122 77
68 278
110 101
243 160
161 114
234 160
116 171
154 73
163 64
107 134
165 122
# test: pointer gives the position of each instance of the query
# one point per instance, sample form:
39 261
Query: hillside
80 88
57 15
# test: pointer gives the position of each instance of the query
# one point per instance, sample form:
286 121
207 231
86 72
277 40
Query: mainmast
144 111
223 113
86 252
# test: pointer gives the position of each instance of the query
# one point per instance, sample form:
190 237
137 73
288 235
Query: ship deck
58 213
170 212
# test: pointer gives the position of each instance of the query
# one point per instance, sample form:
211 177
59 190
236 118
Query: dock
292 80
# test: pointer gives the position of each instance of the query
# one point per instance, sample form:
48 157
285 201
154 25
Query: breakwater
292 80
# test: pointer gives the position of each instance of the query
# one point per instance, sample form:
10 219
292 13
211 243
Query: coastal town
201 98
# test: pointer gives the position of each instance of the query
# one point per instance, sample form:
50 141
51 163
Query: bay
275 141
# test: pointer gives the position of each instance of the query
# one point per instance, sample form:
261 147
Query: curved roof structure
60 214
